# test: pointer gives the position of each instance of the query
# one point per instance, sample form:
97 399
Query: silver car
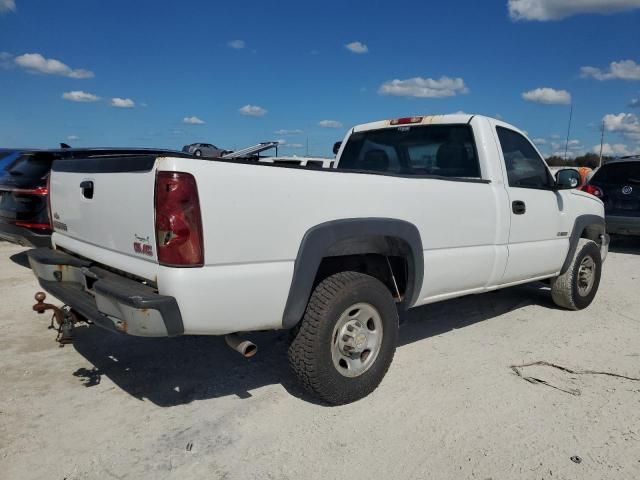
204 150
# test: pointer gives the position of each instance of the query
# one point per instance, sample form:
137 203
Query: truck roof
450 118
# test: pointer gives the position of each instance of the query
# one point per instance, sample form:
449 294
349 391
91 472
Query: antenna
307 149
566 145
601 143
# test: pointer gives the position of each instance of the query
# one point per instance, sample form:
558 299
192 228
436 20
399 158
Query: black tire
310 352
565 288
197 153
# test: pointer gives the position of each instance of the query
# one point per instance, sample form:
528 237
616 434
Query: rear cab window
415 150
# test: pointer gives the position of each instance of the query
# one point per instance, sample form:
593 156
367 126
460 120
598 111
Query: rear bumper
623 225
23 236
111 301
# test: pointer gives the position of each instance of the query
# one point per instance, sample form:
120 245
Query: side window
525 168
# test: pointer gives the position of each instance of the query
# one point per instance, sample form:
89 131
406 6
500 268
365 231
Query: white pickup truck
416 210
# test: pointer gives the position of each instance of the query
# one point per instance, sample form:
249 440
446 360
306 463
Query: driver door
537 245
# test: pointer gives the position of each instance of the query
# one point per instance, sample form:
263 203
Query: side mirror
336 147
567 178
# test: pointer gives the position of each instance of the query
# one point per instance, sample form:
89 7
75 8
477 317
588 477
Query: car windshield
437 150
619 173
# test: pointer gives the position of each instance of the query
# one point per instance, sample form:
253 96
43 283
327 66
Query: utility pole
601 143
566 145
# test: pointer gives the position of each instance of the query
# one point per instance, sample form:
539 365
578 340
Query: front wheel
576 288
197 153
346 339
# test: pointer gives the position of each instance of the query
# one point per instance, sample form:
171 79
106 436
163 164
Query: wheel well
385 248
592 232
385 258
390 270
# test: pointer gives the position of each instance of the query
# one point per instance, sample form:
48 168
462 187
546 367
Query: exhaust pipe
244 347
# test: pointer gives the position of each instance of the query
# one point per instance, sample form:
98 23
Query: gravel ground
111 406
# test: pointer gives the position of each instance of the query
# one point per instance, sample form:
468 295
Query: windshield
439 150
619 173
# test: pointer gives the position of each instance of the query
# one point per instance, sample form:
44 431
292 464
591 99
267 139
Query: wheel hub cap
357 338
586 276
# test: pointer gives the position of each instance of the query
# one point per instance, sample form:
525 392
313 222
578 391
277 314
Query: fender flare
316 245
581 222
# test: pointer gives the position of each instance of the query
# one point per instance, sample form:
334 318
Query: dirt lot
110 406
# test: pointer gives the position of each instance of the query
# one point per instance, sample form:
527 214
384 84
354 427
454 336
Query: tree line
590 160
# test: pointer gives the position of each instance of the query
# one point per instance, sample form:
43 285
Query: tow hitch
63 319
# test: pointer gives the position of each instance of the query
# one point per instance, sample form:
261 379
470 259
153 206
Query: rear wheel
346 339
577 287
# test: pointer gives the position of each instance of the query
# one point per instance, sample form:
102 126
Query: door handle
87 188
518 207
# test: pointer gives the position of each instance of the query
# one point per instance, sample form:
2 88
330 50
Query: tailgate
105 202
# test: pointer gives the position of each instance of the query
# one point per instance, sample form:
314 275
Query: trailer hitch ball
40 297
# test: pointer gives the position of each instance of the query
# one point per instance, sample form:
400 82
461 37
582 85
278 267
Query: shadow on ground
176 371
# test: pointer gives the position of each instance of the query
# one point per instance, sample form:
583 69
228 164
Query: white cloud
192 121
284 131
616 150
7 6
548 96
627 124
539 141
330 124
73 137
293 145
544 10
357 47
36 63
253 111
237 44
122 102
80 96
622 70
424 87
634 103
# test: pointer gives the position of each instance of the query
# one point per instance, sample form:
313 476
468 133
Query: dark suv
617 184
24 215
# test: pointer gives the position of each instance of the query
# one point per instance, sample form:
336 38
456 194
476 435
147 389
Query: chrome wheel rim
586 275
356 340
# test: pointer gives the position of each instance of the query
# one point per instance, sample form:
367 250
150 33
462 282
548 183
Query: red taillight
405 120
178 220
33 226
38 191
593 190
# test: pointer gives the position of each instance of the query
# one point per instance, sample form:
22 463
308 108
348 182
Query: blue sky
124 73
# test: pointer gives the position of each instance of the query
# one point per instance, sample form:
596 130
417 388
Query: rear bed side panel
217 300
255 217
